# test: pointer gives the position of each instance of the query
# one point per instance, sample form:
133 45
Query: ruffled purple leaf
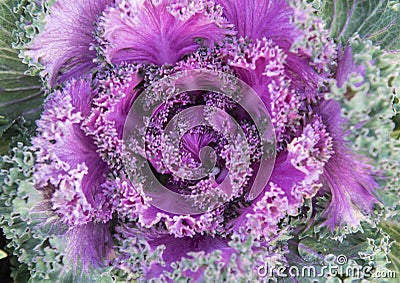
261 64
67 158
295 177
63 47
275 20
129 204
91 244
257 19
348 176
110 109
160 32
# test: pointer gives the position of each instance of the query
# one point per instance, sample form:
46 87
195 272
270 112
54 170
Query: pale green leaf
393 229
376 20
20 94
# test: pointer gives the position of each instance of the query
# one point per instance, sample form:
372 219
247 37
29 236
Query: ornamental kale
202 140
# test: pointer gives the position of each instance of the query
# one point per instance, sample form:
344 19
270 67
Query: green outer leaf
393 229
39 252
20 94
376 20
368 247
13 131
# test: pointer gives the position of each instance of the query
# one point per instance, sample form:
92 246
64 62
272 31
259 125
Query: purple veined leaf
67 160
348 176
278 21
64 46
160 32
90 244
259 19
